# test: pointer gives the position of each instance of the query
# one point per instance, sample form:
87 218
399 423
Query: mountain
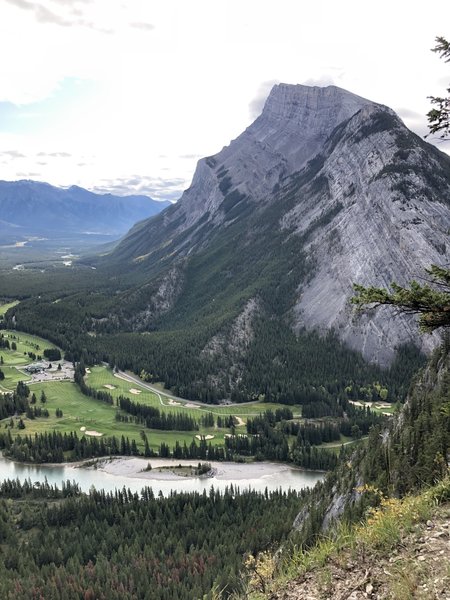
365 199
242 287
294 125
30 208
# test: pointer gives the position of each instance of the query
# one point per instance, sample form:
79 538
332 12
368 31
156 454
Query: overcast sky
126 95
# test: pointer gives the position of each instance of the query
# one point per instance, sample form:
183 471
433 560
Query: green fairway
25 343
82 413
100 377
6 307
12 378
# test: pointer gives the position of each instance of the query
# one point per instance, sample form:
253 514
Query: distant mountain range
31 208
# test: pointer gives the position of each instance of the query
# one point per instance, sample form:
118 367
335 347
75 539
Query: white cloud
163 83
257 103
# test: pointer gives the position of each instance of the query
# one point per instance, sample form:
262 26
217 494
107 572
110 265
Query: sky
124 96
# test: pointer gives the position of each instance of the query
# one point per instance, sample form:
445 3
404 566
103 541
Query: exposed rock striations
366 200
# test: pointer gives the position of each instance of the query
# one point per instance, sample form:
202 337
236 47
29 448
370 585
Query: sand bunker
240 422
206 437
191 405
174 402
108 386
82 428
93 433
135 391
88 371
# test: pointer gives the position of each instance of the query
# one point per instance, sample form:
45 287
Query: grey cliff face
292 128
390 227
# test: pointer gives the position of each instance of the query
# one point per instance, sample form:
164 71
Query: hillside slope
378 526
401 553
338 177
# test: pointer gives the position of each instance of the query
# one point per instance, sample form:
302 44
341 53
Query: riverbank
130 472
134 467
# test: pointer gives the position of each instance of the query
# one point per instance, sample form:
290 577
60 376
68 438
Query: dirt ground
418 569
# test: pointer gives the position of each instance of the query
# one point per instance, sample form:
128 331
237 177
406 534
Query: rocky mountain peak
317 108
297 120
342 179
292 128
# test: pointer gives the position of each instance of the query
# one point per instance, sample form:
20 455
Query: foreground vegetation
363 512
59 544
377 556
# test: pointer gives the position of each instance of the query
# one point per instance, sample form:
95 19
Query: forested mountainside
242 288
408 454
127 546
31 208
376 511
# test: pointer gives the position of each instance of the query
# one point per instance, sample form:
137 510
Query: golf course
69 410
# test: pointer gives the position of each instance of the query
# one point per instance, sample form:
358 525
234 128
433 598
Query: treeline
401 456
270 418
4 342
13 404
124 545
152 417
273 445
303 454
417 453
15 489
201 451
313 433
355 425
60 447
279 365
270 437
17 403
57 447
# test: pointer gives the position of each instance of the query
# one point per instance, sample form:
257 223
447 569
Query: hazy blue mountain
32 208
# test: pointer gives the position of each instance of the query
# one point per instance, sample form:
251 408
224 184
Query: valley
69 411
175 393
224 300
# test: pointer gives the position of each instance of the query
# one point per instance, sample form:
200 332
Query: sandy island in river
129 466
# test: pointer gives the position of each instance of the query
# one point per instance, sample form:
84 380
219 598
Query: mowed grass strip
101 376
81 411
12 378
25 343
5 307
